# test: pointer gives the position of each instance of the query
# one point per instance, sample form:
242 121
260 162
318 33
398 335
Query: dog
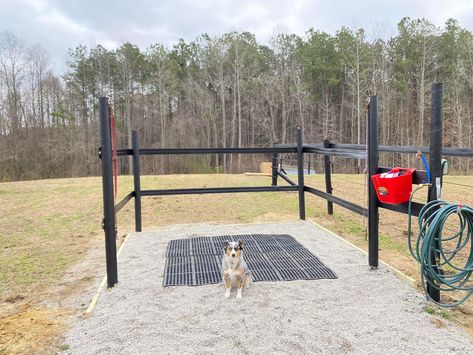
234 268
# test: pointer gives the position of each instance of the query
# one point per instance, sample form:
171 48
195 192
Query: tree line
232 91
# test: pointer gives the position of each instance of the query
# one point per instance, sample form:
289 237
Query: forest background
231 91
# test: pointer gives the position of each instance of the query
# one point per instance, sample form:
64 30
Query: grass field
51 226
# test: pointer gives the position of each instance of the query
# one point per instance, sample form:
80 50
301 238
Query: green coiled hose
442 273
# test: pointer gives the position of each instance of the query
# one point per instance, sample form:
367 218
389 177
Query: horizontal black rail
343 203
171 151
286 178
341 152
330 151
124 152
446 151
217 190
124 201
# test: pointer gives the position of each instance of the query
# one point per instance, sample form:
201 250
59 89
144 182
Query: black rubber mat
270 257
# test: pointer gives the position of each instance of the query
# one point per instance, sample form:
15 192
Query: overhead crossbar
341 152
355 151
180 151
446 151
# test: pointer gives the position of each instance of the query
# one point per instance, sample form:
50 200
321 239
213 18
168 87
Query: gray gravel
363 311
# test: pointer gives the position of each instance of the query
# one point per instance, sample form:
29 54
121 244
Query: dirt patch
36 323
31 329
438 323
463 316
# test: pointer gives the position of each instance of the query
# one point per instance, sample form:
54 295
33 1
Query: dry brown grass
50 225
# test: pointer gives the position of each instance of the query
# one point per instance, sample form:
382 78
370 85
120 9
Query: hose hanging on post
445 275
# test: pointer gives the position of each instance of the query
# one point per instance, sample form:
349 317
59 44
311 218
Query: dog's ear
225 244
241 243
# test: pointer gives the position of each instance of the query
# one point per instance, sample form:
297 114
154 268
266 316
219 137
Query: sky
61 24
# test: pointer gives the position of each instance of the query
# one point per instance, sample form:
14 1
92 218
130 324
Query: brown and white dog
234 268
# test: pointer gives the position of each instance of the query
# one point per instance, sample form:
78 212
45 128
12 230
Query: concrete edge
102 285
402 276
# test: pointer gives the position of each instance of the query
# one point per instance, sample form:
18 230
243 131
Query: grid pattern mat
270 257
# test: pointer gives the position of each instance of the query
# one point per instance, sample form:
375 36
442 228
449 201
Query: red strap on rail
114 149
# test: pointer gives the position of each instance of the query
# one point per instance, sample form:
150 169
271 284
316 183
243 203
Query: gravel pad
362 312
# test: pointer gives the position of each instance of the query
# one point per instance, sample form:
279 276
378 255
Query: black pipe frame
300 173
274 170
373 158
446 151
181 151
286 178
124 201
337 200
355 151
328 178
108 194
435 171
218 190
110 210
136 179
327 149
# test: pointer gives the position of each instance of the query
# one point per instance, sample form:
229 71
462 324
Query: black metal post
373 158
274 170
136 178
435 168
328 177
308 164
108 197
300 174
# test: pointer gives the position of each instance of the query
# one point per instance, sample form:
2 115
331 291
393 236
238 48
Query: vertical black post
300 174
108 197
373 157
435 167
328 177
308 164
274 170
136 179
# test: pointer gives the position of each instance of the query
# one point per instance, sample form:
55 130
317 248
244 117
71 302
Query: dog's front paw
238 295
227 294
